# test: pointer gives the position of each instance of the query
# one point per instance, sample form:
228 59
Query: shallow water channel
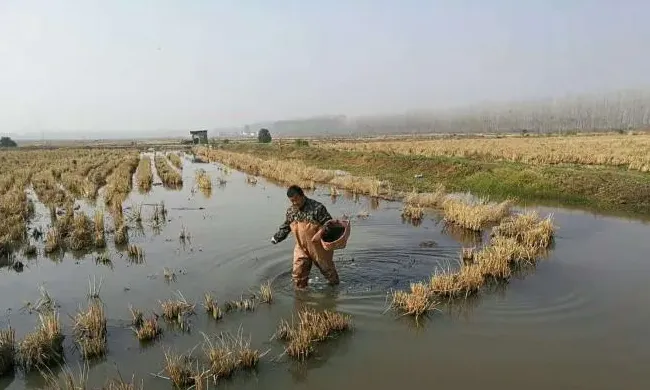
579 321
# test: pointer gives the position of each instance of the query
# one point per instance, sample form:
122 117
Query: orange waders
305 252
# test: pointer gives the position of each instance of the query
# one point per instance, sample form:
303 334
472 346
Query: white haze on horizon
148 67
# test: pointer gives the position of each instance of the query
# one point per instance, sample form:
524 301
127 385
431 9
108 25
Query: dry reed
176 310
517 241
94 288
184 234
66 380
433 199
135 253
474 215
81 233
144 175
90 330
311 328
612 150
241 304
416 302
99 226
175 160
52 242
179 369
203 180
462 283
146 329
44 346
221 356
121 232
251 180
528 229
7 351
121 384
412 213
119 183
149 330
211 306
229 352
467 255
169 274
169 176
295 172
266 292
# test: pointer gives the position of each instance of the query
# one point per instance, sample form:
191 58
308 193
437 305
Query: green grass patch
595 188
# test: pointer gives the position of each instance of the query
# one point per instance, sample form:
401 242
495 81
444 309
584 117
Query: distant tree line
626 110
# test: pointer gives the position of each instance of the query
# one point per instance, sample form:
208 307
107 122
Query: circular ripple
540 309
538 302
376 271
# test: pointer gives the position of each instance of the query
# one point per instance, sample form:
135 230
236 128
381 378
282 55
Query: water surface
578 321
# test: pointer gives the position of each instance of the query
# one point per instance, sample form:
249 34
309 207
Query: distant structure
199 136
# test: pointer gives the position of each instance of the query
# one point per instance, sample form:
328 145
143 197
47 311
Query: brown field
169 175
58 178
144 175
627 151
175 159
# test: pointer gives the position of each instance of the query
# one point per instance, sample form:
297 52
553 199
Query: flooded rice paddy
578 321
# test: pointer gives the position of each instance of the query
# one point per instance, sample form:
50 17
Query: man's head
296 196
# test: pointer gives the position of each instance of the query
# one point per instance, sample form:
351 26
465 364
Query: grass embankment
594 187
626 151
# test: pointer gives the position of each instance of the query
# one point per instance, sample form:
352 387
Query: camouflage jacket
312 211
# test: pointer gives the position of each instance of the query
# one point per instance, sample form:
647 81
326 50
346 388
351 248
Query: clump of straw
44 346
90 330
7 351
311 328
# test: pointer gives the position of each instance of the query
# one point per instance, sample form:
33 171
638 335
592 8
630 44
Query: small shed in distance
199 136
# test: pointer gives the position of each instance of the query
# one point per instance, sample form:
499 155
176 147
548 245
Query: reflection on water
466 237
552 325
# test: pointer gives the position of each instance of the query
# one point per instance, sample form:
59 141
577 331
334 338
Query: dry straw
612 150
44 346
144 175
169 176
518 241
7 351
90 330
310 328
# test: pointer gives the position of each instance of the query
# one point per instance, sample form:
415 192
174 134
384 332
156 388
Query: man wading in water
305 217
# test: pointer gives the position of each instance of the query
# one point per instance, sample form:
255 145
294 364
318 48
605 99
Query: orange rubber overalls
304 224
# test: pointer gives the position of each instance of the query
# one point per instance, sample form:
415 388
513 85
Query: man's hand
273 241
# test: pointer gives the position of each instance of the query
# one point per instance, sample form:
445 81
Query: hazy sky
160 64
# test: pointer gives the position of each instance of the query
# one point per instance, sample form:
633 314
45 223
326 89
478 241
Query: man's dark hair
294 190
